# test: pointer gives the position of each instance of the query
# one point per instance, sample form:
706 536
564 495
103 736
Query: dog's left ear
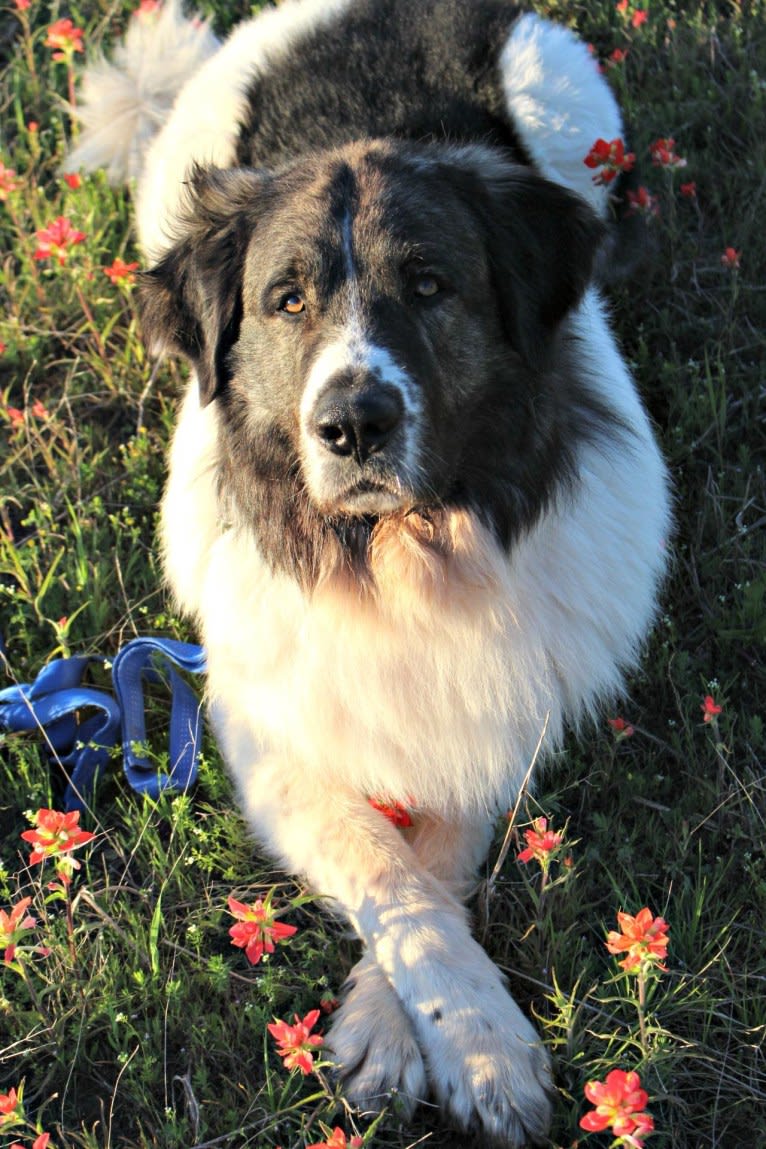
191 301
542 242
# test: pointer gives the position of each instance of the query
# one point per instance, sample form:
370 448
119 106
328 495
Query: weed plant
128 1020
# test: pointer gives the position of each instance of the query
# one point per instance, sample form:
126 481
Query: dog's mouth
371 498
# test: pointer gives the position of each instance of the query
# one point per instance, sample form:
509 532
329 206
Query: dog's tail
126 100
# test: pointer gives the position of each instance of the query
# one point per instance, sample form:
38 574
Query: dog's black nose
358 421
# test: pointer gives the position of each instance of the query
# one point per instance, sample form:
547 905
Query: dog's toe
373 1045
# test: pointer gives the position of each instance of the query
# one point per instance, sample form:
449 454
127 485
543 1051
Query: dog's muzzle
359 421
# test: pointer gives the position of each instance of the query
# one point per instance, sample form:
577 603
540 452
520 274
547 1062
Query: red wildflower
38 1143
541 843
15 417
611 158
689 190
65 38
257 930
13 926
8 182
56 238
642 202
710 709
120 272
622 729
396 812
664 155
22 5
619 1104
39 411
644 937
337 1140
55 837
618 56
730 259
638 16
296 1043
11 1109
73 180
3 347
148 10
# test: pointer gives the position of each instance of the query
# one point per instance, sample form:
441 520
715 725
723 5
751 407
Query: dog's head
381 327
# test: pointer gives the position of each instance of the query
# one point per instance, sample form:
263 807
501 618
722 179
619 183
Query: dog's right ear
191 301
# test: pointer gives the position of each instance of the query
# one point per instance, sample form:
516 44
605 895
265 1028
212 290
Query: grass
142 1026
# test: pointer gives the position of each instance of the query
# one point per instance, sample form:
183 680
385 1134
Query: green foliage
142 1027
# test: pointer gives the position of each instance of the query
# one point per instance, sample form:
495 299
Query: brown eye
425 286
292 304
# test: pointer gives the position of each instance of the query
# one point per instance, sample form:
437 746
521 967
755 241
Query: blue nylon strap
53 703
141 659
82 724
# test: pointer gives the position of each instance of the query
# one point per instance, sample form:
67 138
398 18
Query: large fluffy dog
414 501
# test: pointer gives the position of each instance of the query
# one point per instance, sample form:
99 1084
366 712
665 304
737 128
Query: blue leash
82 725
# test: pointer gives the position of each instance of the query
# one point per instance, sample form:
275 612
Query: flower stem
641 1008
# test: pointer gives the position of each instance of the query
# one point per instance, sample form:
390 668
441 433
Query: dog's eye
425 286
292 304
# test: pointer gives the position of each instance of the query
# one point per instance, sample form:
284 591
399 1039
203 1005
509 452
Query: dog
414 503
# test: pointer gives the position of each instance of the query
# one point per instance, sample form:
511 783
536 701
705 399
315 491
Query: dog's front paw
373 1044
486 1064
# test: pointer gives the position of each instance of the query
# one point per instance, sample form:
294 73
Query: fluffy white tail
125 101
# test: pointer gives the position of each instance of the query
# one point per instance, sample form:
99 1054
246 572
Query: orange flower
120 272
148 10
15 417
731 258
73 180
542 843
13 926
663 153
710 709
611 158
296 1043
619 1104
644 937
65 38
11 1109
617 56
56 238
337 1140
638 16
643 202
622 729
55 837
40 1142
8 182
256 930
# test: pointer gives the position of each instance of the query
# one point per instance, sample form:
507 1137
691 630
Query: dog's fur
414 500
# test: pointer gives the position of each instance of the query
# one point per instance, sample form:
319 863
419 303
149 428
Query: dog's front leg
372 1039
483 1058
